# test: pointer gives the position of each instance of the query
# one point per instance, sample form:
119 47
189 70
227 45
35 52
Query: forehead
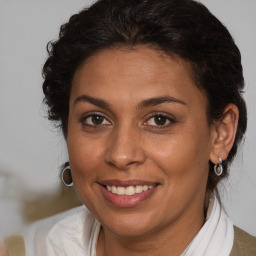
135 74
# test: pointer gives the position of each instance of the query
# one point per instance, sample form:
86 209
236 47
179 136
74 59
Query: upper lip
127 183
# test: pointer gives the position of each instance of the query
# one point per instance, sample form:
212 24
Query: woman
148 96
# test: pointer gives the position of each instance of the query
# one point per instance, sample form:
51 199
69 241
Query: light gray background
31 150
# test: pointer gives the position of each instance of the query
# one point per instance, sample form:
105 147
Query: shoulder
70 229
44 236
244 243
67 219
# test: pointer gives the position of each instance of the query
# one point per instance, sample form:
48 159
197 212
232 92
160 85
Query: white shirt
75 233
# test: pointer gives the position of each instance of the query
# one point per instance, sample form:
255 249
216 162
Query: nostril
123 152
123 163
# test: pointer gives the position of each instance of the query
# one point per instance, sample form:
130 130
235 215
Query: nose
124 149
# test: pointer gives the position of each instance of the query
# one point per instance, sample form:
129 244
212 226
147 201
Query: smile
128 191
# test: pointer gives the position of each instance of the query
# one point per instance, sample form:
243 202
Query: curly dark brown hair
182 28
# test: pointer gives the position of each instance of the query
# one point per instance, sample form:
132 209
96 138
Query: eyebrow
145 103
95 101
159 100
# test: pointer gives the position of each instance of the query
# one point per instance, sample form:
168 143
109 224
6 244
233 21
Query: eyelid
90 114
170 118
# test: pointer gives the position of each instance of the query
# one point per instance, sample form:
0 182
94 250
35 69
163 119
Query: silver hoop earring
218 168
66 177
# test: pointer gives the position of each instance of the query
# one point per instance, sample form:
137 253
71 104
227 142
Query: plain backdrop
31 149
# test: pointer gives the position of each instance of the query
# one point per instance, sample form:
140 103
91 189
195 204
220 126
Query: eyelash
94 114
153 115
160 114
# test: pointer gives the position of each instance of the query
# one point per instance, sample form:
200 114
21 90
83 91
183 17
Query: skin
129 143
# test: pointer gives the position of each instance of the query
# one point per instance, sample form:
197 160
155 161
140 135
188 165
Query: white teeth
138 189
145 187
120 191
113 190
128 191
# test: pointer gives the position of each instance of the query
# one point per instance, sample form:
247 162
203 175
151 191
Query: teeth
113 190
128 191
145 188
120 191
138 189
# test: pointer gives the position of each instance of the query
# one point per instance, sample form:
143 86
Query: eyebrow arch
95 101
145 103
159 100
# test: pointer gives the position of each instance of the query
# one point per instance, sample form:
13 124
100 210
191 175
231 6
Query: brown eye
159 120
95 120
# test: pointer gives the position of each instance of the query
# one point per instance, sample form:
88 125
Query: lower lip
127 201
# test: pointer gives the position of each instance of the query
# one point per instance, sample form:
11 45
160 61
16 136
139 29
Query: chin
129 224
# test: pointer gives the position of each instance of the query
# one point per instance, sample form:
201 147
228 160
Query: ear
224 133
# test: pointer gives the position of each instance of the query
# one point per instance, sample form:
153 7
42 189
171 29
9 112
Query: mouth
127 193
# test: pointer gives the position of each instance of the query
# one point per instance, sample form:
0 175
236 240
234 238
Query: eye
95 120
159 120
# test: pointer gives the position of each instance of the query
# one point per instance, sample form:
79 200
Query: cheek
84 161
84 157
180 154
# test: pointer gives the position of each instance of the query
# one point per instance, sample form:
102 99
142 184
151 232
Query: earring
66 177
218 168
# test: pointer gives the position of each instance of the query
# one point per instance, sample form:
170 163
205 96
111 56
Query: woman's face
138 140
